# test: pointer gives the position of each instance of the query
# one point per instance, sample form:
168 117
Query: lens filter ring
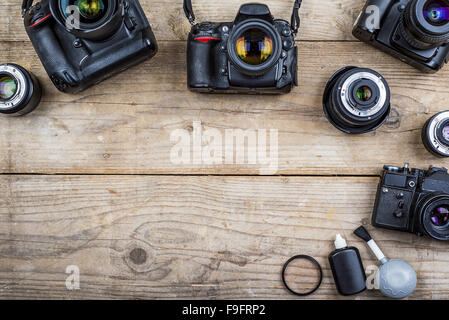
20 92
314 262
435 134
356 100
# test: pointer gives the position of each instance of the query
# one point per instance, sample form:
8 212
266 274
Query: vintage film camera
253 54
415 201
82 42
414 31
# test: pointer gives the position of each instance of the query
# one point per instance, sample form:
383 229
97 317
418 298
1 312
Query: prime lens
425 23
435 134
20 92
356 100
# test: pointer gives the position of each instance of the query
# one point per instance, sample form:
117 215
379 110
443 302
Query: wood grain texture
87 179
322 20
124 124
183 237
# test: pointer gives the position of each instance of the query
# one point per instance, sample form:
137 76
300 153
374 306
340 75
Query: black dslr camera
414 31
82 42
253 54
415 201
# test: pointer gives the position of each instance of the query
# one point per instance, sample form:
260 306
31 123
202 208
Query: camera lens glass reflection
436 12
90 9
8 87
440 216
364 93
254 47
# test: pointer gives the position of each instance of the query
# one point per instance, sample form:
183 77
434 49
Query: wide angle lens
254 47
435 134
356 100
20 91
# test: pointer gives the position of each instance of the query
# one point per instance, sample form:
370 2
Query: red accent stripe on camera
40 20
207 39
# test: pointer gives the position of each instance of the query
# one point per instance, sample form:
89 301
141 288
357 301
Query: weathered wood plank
124 124
321 20
183 237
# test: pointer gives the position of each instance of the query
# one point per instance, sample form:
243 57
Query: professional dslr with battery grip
414 31
253 54
82 42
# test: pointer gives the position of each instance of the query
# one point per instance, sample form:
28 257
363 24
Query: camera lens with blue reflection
436 12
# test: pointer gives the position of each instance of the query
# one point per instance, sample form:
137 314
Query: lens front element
8 87
436 12
90 9
254 47
440 216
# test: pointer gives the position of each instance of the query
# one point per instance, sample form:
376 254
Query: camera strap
26 5
295 22
188 10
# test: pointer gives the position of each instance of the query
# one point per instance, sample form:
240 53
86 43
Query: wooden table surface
87 179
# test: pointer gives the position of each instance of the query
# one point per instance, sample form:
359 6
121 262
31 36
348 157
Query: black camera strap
295 22
26 5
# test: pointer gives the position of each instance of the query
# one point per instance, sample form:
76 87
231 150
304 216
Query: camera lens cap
317 266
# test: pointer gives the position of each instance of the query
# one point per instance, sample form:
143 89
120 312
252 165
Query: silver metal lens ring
351 107
21 82
20 91
433 128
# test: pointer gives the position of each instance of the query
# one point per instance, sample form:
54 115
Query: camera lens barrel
356 100
20 91
424 24
94 20
251 38
435 134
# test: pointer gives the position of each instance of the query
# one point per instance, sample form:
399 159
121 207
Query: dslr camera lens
425 24
434 216
20 92
356 100
435 134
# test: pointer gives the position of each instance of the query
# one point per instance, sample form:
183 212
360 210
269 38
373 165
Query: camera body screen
253 54
82 42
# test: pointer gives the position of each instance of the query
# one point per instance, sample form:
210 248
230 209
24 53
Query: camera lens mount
434 216
356 100
435 134
20 92
89 19
254 47
425 23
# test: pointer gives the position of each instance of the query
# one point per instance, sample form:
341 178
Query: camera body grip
74 63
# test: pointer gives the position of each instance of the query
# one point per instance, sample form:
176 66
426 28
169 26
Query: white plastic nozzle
339 242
